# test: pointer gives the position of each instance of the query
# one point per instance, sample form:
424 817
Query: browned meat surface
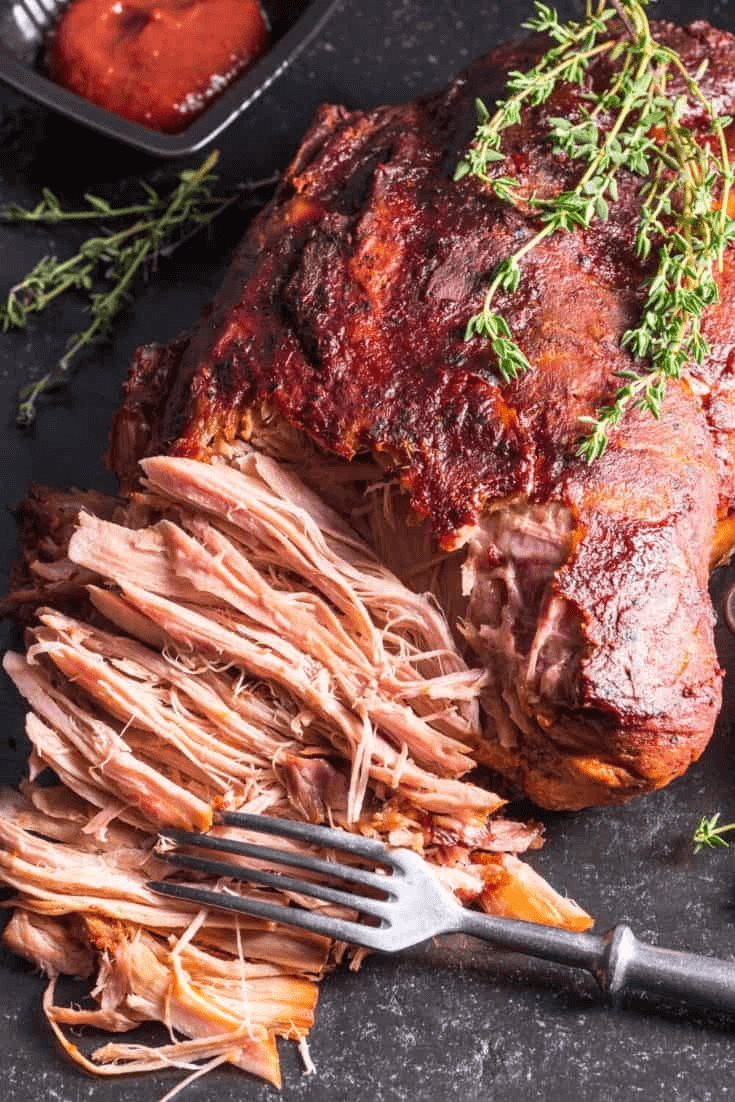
343 314
42 573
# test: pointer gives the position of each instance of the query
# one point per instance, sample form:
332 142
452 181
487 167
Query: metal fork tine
308 832
360 903
281 857
37 13
335 928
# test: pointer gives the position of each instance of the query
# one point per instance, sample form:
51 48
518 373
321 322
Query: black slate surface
450 1021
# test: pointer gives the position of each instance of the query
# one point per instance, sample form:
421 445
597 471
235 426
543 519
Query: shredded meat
237 646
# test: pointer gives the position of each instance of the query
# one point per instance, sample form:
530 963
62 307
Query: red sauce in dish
157 62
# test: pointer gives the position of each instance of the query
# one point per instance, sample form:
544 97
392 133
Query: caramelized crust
345 310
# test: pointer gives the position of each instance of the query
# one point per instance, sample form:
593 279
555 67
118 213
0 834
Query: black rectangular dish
25 24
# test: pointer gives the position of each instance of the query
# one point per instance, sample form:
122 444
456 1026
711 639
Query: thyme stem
709 833
116 257
685 199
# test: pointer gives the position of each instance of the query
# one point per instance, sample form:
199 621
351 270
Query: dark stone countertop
455 1020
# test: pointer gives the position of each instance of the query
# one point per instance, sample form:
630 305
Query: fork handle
707 982
618 961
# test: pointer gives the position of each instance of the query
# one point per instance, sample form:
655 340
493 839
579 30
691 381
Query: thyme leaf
709 833
684 213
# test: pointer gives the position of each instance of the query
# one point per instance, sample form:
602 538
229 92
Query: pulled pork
235 644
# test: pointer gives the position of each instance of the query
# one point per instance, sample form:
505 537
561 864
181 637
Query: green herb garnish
160 224
685 196
708 833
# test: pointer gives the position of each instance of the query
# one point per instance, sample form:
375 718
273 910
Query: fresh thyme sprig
122 254
709 833
567 61
160 224
50 212
635 125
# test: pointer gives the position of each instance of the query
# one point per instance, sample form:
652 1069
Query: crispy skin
344 310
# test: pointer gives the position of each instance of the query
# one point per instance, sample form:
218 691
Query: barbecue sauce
156 62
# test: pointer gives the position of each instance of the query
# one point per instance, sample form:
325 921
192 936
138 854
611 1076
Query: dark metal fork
406 905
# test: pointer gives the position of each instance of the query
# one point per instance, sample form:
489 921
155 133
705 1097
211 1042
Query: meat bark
344 312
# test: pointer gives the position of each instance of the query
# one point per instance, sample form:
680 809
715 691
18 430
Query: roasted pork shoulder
350 563
342 319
